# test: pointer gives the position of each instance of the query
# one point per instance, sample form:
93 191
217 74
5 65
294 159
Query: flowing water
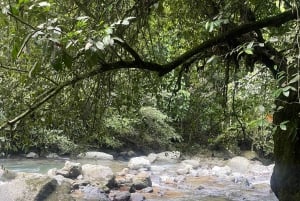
191 188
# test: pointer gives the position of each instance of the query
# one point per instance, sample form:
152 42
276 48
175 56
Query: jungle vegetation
153 75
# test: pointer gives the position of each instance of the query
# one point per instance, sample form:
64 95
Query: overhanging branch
155 67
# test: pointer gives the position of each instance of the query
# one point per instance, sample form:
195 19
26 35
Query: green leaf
248 51
283 127
286 93
67 59
57 63
211 59
295 79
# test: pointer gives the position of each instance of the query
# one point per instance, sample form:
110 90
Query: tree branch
152 66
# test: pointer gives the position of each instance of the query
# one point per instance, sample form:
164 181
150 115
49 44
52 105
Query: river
203 185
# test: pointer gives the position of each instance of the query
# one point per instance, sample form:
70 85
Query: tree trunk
285 180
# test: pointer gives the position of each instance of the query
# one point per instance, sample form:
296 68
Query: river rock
194 163
239 164
52 155
141 181
221 171
97 173
32 186
93 193
70 170
168 156
138 163
152 157
184 169
120 196
137 197
7 175
96 155
32 155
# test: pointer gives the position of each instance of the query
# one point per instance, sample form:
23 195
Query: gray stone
70 170
138 163
52 155
141 181
121 196
152 157
92 193
96 155
97 172
168 156
184 169
137 197
32 155
148 190
239 164
221 171
194 163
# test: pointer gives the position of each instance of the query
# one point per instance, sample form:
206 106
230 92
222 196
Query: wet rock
137 197
240 179
47 188
148 190
70 170
120 196
97 173
7 175
141 181
32 155
78 184
96 155
138 163
221 171
168 156
92 193
32 186
52 155
194 163
239 164
152 157
123 172
184 169
167 179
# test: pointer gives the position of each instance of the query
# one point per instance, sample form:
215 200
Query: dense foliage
51 48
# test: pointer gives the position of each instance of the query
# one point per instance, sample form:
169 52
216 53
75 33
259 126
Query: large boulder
97 172
32 186
239 164
138 163
96 155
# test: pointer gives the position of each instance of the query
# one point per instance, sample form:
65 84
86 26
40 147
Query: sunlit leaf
44 4
100 45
